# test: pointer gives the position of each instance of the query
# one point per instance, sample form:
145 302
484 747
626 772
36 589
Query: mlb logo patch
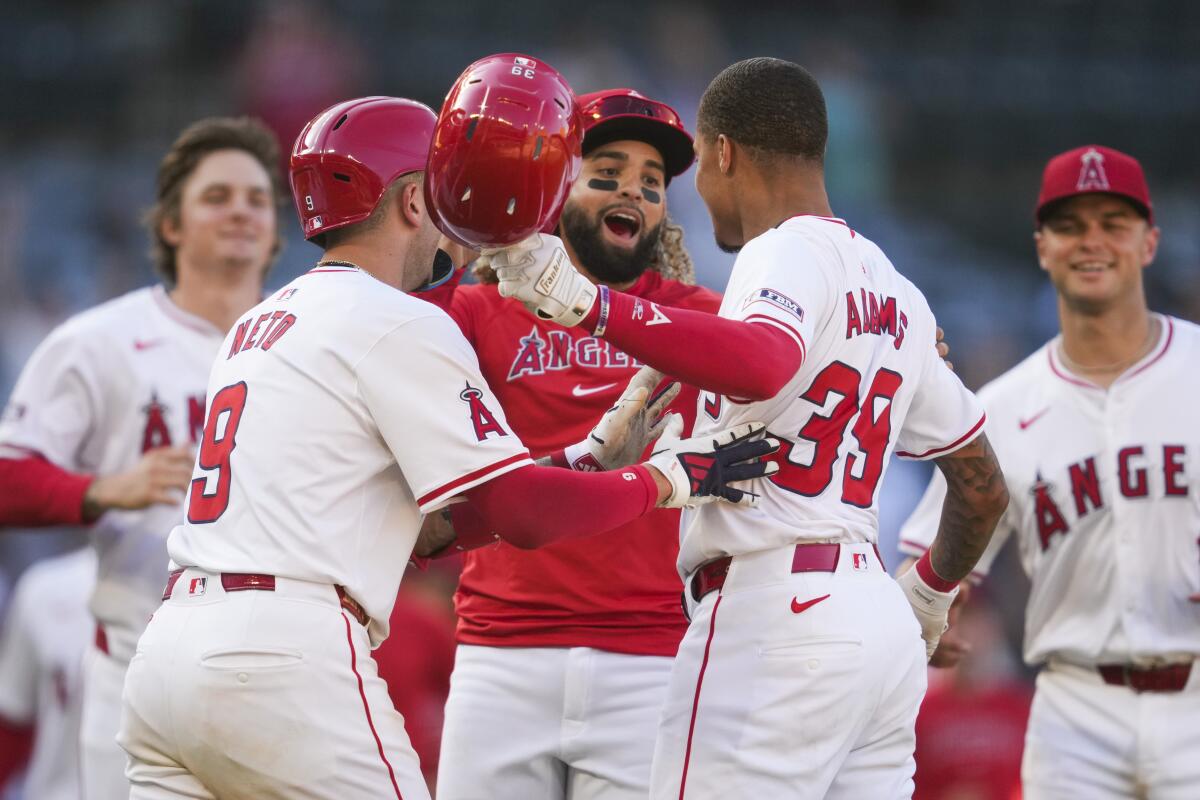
196 586
524 62
860 562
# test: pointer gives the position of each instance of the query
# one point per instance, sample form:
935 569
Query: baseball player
1097 435
101 424
42 643
803 667
341 410
579 630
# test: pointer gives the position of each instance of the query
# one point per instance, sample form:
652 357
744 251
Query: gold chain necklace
1147 346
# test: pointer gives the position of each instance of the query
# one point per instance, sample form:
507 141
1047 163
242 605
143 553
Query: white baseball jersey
341 411
104 387
1104 490
41 650
871 382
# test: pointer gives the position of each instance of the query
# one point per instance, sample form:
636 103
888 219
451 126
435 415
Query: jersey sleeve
18 660
944 415
445 427
54 406
920 529
787 285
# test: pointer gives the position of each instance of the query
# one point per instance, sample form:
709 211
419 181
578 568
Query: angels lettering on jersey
1072 494
156 431
550 351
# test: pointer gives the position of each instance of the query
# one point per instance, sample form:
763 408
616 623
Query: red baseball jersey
618 591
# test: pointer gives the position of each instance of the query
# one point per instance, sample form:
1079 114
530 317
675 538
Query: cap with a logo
1090 169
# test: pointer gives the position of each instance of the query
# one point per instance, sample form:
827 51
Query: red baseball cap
1093 169
614 114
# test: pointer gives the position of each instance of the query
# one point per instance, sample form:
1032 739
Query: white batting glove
537 272
704 468
931 606
626 429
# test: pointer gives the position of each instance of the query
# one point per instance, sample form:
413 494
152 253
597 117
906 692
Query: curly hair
671 258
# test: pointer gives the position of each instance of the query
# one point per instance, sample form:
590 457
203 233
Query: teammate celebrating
802 670
1096 433
542 630
101 423
343 409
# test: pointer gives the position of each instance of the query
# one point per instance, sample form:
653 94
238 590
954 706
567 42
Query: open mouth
1090 267
623 225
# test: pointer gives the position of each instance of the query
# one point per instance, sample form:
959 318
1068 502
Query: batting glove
537 272
704 468
626 429
932 606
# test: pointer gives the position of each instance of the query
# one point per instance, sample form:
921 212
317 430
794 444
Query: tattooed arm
976 497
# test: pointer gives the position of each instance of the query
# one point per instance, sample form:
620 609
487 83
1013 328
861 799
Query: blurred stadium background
942 114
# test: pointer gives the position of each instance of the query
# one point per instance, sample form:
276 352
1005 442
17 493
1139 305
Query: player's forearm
36 493
534 506
730 357
976 497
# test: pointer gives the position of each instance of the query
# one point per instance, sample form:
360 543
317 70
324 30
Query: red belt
807 558
1171 678
247 581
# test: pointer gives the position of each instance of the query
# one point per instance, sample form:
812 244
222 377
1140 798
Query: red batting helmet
615 114
347 156
505 152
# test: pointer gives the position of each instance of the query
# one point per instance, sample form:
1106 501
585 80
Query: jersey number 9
225 413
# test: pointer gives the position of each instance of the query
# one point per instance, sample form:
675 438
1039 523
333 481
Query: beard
727 248
606 263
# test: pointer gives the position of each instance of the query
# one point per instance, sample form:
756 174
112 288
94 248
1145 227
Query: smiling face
613 216
1094 247
226 215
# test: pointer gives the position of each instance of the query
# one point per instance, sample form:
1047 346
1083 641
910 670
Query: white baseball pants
773 695
1089 739
261 694
549 723
101 760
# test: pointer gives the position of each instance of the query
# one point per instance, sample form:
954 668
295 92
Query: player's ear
410 203
1150 245
1039 244
724 154
169 230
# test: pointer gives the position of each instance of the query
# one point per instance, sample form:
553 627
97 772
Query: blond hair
671 258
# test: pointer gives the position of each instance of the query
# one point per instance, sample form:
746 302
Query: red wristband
926 573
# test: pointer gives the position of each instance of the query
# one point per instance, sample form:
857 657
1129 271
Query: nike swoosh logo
140 345
579 391
798 608
1025 423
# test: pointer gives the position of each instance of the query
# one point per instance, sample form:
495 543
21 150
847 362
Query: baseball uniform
41 653
341 411
803 668
1105 509
564 651
101 390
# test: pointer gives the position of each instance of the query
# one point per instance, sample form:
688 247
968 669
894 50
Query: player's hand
704 468
160 478
943 349
628 428
952 648
931 607
437 533
537 271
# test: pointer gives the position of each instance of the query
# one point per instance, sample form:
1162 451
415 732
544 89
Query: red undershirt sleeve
37 493
533 506
746 360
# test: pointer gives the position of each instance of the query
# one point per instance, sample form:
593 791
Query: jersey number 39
224 415
871 432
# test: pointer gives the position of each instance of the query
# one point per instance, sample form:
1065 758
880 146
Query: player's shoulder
821 234
654 287
1184 333
106 319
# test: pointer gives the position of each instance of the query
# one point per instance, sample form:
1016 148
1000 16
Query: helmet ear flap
506 148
